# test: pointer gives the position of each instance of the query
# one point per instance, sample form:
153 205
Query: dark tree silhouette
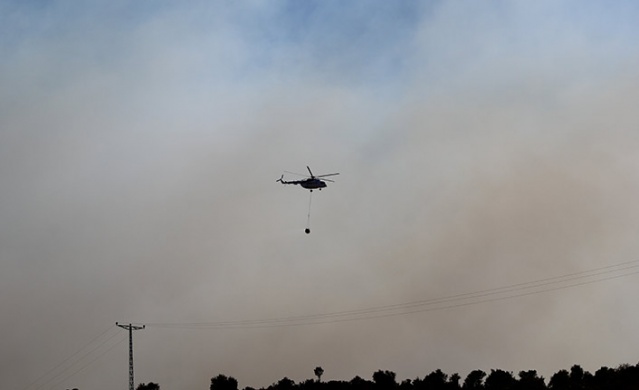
358 383
499 380
407 384
309 384
319 371
577 376
384 379
148 386
529 380
560 380
333 385
604 378
223 382
625 377
453 382
436 380
474 380
284 384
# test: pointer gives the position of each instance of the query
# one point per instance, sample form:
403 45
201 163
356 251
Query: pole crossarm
130 328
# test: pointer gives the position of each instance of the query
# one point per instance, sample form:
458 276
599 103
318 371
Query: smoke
478 146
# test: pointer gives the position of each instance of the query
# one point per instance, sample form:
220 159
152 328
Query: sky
484 216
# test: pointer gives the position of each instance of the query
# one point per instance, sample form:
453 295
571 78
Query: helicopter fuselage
309 184
312 184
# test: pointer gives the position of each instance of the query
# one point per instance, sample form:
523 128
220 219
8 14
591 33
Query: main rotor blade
296 174
328 174
309 171
332 181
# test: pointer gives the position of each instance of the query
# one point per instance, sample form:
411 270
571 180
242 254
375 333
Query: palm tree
318 373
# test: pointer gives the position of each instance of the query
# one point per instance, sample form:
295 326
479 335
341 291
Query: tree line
624 377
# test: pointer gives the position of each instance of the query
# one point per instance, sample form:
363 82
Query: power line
72 360
86 365
512 291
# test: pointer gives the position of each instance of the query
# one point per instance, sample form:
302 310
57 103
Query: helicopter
312 182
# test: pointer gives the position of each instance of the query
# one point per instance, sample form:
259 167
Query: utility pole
130 328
